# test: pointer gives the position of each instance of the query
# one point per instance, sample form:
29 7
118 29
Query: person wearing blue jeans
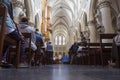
13 33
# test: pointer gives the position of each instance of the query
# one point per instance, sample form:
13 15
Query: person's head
49 42
81 33
36 29
24 19
75 43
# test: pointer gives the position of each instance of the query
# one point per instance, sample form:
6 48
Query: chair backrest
93 44
3 13
28 36
107 36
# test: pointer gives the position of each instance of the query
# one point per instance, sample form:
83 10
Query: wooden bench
84 57
106 47
93 54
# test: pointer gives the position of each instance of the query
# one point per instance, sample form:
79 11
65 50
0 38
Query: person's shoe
23 65
6 65
3 61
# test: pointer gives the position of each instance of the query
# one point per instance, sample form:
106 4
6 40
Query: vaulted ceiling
63 14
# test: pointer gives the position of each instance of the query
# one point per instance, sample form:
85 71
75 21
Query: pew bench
94 56
106 47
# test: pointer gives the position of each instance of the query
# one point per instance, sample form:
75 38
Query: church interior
60 39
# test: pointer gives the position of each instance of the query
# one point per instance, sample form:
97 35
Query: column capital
104 3
18 3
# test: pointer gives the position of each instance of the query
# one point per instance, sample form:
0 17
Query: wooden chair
3 12
38 55
106 47
28 50
4 38
16 50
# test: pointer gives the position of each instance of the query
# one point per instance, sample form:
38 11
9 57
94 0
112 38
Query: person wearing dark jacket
73 49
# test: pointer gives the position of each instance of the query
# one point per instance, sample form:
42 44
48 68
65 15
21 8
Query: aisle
60 72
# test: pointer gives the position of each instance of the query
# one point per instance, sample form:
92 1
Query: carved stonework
98 18
18 3
118 23
90 22
104 3
100 29
86 34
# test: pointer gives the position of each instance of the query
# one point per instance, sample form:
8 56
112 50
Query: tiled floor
61 72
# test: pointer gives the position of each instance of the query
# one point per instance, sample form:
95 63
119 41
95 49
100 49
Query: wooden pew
106 47
84 57
93 58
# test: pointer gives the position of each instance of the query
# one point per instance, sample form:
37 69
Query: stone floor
60 72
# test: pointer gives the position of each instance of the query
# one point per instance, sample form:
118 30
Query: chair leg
18 55
102 63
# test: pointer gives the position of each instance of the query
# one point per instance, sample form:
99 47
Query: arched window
56 40
60 40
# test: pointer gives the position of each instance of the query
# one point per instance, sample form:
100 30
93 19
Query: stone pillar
104 6
92 31
18 10
30 11
91 23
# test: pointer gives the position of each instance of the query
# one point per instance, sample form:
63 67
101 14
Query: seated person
39 40
39 37
79 51
49 50
73 54
116 45
24 27
39 52
13 33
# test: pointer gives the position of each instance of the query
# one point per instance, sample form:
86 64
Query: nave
61 72
63 22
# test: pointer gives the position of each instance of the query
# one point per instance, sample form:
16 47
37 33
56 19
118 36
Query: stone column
18 10
104 6
92 31
91 23
30 11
